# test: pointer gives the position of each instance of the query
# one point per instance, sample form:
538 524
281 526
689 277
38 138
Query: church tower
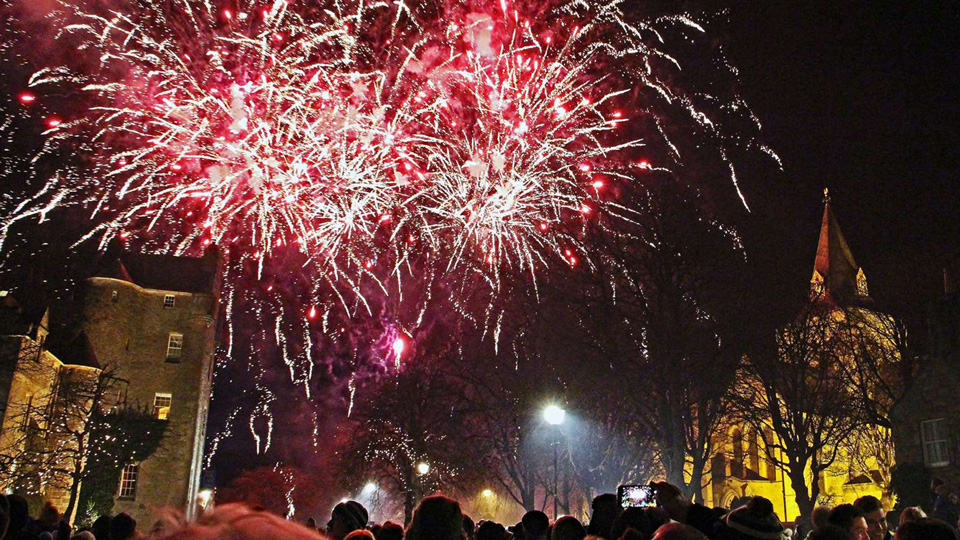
836 276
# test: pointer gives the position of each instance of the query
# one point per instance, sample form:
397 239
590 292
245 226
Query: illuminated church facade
740 467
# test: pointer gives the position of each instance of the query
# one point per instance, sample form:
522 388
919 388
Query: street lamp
554 415
423 467
487 493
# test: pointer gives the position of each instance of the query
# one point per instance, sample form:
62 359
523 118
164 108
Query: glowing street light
369 488
487 493
423 467
555 415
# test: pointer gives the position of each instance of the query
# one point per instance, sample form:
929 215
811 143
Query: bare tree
795 393
665 312
415 418
51 446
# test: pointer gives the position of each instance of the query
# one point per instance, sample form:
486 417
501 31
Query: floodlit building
741 467
154 317
35 395
152 320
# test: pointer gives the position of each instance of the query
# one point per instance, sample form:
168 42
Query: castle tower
154 317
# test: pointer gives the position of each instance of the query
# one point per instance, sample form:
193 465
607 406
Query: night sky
860 97
857 97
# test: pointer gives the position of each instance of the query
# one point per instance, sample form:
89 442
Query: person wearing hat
755 520
347 516
682 510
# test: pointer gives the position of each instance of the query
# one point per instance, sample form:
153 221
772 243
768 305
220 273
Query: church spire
835 272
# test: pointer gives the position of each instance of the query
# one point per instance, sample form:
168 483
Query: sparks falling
366 145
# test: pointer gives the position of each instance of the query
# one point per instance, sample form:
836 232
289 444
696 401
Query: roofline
142 288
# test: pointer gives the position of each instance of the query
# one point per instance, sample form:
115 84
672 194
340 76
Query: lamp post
554 415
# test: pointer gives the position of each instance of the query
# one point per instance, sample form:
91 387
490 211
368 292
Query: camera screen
636 496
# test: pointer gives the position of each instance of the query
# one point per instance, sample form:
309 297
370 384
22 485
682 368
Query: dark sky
860 97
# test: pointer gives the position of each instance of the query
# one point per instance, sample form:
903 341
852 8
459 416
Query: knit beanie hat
352 513
756 520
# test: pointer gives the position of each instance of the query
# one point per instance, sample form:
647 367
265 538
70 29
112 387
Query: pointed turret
835 272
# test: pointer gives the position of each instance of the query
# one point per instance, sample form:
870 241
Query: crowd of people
437 517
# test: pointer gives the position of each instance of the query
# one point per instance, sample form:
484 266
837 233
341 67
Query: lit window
169 301
128 481
114 296
935 449
174 346
161 406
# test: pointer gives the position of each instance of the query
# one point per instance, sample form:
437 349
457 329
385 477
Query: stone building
926 420
33 383
154 317
152 320
740 468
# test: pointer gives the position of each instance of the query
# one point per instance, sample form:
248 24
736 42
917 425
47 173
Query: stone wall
128 327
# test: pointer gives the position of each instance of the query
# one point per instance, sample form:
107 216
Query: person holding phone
683 510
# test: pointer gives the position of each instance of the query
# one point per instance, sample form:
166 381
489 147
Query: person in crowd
535 525
678 531
829 532
911 513
754 520
875 517
491 530
946 506
469 527
311 523
239 522
360 534
604 511
389 531
632 518
893 521
849 518
4 515
682 510
347 516
567 528
64 531
927 529
101 527
83 535
123 527
657 517
818 519
436 518
19 518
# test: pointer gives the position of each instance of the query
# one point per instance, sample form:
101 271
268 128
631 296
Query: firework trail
346 150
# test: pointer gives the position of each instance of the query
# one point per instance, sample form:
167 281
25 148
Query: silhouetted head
469 527
122 527
819 516
347 516
927 529
603 513
535 524
756 519
436 518
489 530
389 531
568 528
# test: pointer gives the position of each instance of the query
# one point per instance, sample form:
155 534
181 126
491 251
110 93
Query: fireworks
366 145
